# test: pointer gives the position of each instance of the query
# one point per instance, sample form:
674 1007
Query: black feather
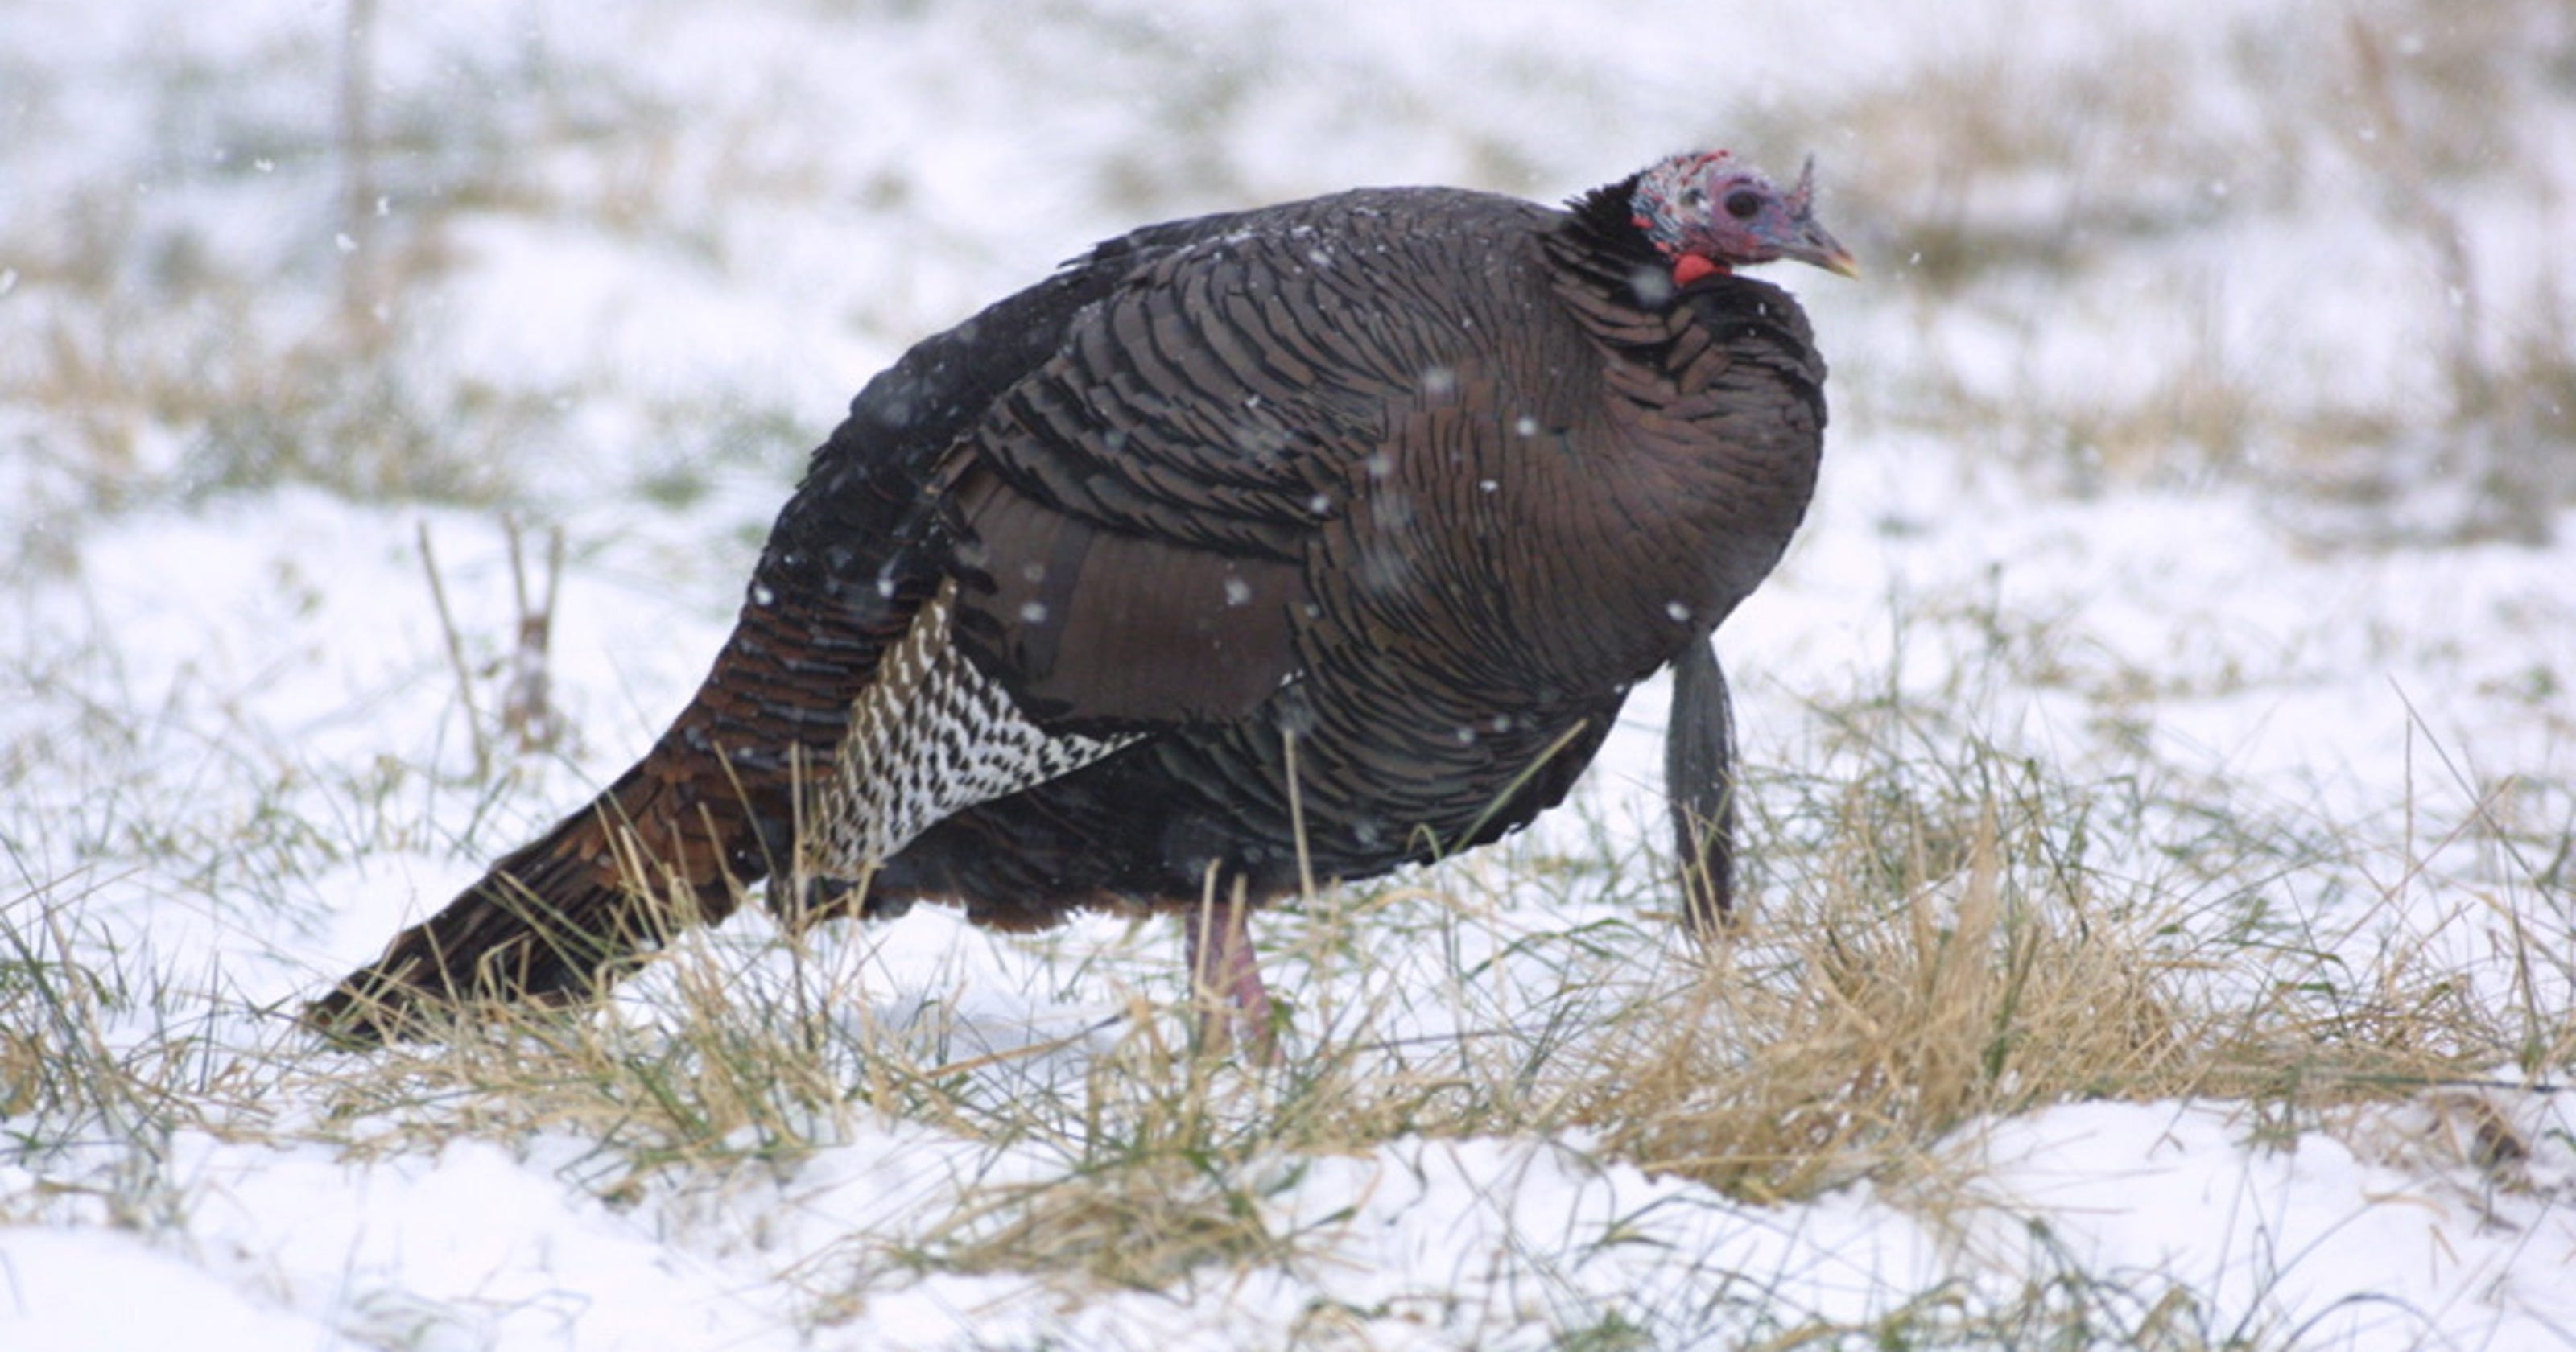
1362 513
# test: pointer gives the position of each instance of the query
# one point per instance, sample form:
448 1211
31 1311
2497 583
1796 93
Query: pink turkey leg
1222 965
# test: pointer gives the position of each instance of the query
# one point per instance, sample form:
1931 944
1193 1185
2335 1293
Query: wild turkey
1306 541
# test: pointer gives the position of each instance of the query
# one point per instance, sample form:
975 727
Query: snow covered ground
2203 453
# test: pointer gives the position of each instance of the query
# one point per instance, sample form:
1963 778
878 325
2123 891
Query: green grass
1944 928
1941 933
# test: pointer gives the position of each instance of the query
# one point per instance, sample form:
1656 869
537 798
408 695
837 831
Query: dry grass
1942 933
1945 935
1937 944
1855 1036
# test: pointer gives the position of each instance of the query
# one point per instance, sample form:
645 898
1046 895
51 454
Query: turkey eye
1744 204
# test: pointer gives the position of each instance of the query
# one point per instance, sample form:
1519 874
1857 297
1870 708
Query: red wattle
1690 268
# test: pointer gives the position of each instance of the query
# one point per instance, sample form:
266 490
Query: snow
1477 1242
636 257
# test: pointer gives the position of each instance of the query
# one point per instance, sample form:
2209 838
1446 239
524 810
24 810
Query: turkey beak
1811 243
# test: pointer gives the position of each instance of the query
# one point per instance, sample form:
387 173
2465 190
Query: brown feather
1099 628
1327 536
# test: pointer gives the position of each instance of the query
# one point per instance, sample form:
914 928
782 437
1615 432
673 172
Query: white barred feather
929 737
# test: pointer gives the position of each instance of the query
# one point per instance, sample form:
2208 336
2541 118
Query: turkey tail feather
1305 542
554 922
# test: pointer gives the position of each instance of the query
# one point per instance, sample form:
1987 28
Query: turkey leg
1223 970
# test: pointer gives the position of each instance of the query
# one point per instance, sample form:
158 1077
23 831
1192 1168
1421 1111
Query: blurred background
2207 355
393 398
529 253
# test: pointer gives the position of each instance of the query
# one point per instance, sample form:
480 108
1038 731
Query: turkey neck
1658 450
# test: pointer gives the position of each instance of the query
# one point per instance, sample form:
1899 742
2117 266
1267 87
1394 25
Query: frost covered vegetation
2164 761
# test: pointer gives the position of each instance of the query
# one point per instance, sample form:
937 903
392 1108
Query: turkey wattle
1356 517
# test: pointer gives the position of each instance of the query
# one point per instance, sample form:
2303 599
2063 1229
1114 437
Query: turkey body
1307 541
